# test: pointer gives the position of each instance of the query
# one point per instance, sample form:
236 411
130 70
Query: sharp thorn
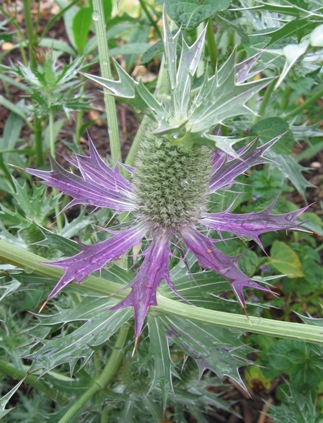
135 346
247 316
43 306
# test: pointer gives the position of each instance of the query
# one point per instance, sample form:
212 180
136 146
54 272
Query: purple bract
100 186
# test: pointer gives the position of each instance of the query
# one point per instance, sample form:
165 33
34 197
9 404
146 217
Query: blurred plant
52 89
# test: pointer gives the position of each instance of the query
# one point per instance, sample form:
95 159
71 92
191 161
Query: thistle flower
167 198
174 173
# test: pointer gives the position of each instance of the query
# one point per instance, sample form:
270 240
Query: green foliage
295 407
190 13
301 362
285 260
52 362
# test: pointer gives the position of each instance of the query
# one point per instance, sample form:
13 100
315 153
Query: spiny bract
167 198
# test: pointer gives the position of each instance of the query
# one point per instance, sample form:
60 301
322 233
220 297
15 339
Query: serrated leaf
124 87
285 260
295 408
292 170
79 344
159 350
8 288
34 204
298 27
211 347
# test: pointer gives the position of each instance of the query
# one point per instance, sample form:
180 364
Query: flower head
167 198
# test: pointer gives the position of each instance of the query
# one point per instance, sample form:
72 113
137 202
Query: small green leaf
285 260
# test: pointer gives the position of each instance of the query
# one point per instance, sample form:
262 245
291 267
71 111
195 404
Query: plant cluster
139 291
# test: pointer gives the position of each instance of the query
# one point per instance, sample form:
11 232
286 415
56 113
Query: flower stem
106 376
307 333
104 58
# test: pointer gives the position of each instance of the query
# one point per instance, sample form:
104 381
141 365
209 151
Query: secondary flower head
167 198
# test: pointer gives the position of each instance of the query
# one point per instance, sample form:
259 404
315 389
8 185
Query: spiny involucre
190 106
168 199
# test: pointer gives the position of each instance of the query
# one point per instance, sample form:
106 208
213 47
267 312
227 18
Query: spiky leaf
212 348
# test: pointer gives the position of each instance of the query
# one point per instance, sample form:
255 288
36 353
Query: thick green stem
32 380
38 141
106 376
51 133
79 119
30 33
24 259
104 58
265 100
212 48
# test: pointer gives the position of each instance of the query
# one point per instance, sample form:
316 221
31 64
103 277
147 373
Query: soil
251 407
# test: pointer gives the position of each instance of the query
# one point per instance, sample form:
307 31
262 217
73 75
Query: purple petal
144 287
212 258
98 186
94 257
224 171
252 224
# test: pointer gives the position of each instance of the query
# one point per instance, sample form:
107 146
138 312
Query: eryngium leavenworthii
167 198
